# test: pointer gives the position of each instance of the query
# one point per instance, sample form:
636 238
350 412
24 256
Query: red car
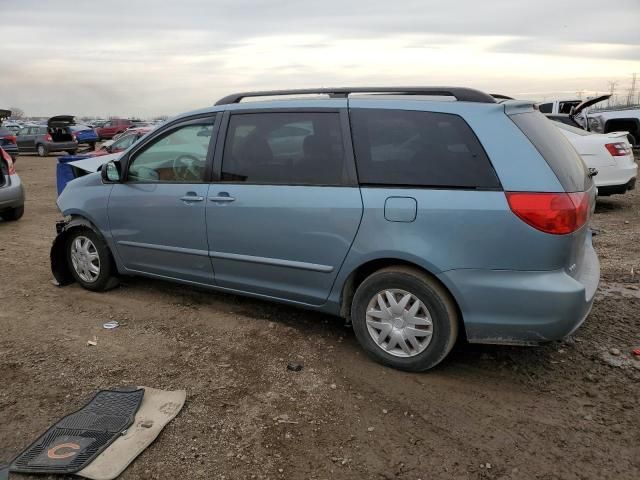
122 143
113 127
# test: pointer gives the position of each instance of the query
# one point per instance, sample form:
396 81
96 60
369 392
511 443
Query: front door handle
192 198
222 197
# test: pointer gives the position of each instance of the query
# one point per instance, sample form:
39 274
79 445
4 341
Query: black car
7 137
56 136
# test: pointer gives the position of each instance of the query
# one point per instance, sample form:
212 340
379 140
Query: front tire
42 150
90 260
13 214
404 319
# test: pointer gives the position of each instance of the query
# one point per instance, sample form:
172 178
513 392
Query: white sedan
609 153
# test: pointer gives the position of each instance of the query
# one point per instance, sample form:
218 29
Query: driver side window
178 156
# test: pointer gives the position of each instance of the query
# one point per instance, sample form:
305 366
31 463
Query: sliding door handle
192 198
222 197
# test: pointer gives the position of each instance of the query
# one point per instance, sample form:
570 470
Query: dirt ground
568 410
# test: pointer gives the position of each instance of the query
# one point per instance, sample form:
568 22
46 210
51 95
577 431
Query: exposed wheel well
363 271
630 125
58 255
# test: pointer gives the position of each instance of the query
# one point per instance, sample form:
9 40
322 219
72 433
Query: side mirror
111 172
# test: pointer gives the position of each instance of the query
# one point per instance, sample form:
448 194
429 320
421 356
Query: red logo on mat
67 451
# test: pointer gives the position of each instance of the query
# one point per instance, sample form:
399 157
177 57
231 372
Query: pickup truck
600 121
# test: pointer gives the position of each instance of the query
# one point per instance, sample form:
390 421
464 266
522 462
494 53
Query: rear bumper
617 189
615 175
60 146
524 307
88 139
12 194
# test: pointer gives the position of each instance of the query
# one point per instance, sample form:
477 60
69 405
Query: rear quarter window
558 152
414 148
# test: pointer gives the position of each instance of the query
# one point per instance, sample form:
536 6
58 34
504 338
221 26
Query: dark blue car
85 135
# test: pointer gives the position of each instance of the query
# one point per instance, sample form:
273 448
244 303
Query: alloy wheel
85 259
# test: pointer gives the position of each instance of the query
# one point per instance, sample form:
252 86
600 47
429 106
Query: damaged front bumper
58 256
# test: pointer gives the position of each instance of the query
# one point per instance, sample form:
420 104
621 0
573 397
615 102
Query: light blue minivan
418 214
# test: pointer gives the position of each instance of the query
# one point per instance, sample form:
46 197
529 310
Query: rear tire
41 150
92 145
414 335
13 214
89 259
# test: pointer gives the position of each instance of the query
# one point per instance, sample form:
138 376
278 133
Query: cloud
535 46
150 57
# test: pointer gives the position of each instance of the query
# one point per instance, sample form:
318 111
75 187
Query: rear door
286 207
157 215
26 139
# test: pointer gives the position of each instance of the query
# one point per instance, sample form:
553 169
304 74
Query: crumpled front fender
58 255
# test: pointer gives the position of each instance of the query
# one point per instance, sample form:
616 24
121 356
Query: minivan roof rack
462 94
500 96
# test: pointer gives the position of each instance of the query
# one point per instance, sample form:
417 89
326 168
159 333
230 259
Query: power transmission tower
612 91
632 91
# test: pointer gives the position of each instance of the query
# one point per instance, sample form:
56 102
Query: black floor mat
73 442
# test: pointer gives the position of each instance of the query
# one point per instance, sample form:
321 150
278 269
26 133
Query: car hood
61 121
93 164
587 103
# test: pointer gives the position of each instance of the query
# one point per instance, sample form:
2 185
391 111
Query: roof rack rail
461 94
501 96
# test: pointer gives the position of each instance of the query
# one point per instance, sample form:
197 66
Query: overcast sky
149 57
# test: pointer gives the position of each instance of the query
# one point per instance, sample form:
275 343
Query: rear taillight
73 135
47 138
555 213
10 138
7 158
618 149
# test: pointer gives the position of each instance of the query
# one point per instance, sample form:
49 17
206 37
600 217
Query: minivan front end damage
58 255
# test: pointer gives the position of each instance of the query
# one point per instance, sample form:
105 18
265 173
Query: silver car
11 189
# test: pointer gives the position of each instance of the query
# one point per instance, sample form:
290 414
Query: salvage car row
60 134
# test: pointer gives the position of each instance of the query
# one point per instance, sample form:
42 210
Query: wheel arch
58 256
362 271
628 124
